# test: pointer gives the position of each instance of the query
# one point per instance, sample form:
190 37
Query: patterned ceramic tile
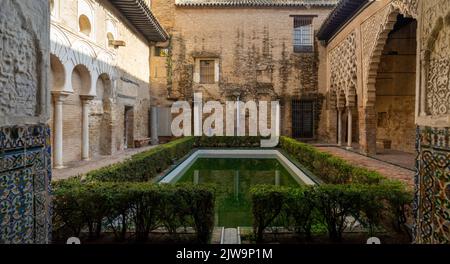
25 173
432 203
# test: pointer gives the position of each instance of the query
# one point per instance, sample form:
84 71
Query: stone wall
25 152
252 46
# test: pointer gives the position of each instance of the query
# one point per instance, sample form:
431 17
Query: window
161 52
207 69
52 7
111 32
303 34
85 25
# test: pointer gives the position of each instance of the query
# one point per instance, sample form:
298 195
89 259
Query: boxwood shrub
146 165
227 142
327 167
329 205
131 207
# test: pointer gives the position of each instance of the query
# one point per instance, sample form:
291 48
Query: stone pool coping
183 164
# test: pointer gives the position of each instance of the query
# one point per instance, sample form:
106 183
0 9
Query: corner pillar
85 100
58 98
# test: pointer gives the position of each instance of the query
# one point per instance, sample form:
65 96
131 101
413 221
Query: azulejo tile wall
432 203
25 176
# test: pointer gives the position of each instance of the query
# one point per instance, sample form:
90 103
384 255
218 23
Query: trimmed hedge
227 142
327 167
136 208
328 205
146 165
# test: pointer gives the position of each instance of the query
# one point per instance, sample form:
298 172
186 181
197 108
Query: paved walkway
388 170
83 167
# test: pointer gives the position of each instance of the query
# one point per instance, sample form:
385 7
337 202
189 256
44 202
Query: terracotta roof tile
255 3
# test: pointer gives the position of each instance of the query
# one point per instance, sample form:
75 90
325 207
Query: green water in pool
233 178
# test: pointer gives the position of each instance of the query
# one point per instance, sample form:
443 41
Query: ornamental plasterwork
407 7
374 32
343 70
438 79
432 10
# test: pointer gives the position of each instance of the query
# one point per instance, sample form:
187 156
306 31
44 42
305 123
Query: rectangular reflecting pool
233 173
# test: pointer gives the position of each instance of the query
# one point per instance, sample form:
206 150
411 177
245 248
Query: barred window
303 34
207 71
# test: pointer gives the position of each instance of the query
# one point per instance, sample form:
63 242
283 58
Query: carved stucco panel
343 70
407 7
438 84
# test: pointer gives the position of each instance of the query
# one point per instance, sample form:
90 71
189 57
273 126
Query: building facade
100 58
388 81
243 50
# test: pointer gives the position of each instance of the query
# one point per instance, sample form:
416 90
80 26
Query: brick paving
83 167
387 169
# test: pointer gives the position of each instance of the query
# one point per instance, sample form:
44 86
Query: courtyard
224 121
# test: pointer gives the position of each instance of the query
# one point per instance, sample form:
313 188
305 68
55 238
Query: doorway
303 119
128 127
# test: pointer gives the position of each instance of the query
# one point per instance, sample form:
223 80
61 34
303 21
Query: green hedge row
146 165
136 208
327 167
328 205
227 142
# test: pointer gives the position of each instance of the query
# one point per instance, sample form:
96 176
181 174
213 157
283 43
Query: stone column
339 126
350 127
85 99
155 139
58 97
368 130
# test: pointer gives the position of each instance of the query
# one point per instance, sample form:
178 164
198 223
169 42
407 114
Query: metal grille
207 71
303 34
302 118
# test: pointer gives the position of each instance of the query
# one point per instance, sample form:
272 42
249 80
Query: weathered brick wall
255 51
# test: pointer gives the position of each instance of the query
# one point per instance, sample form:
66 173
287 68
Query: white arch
60 44
105 64
84 54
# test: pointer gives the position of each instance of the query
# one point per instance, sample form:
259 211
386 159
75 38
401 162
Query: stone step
230 236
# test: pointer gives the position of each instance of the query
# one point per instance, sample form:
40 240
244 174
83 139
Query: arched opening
100 131
85 25
395 93
81 79
57 73
72 132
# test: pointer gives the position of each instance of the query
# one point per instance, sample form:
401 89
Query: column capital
60 96
86 98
